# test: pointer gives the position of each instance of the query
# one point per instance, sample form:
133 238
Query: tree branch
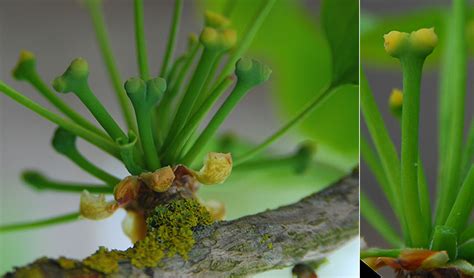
304 231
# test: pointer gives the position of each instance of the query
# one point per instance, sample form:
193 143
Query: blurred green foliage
293 43
253 190
341 29
373 27
249 192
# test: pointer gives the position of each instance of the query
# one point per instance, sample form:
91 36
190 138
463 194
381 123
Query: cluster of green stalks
162 112
402 180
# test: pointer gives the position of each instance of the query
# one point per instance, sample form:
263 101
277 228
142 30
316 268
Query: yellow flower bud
395 102
215 208
127 190
216 39
217 168
228 38
208 36
96 207
394 42
26 55
134 226
160 180
216 20
26 66
424 40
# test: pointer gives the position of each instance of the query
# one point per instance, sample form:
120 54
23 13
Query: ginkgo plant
443 244
162 146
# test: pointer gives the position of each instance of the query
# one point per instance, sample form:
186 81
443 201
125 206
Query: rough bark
304 231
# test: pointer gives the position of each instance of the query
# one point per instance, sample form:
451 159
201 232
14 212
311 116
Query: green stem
373 162
468 152
412 70
40 223
466 250
89 99
247 37
142 57
182 137
92 169
378 221
41 182
424 193
144 97
205 92
165 107
385 148
467 234
376 252
194 89
445 239
240 90
146 138
462 207
64 142
175 70
310 107
164 71
102 143
98 21
177 84
127 152
36 81
453 91
75 80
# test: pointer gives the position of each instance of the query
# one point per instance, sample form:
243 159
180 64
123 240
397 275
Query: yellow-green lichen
29 272
172 225
146 253
66 263
104 261
266 239
170 231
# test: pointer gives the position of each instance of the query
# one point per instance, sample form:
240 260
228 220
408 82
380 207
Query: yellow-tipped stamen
424 40
216 20
395 102
394 42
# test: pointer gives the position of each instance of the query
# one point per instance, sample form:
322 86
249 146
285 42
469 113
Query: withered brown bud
215 208
127 190
217 168
160 180
134 226
96 207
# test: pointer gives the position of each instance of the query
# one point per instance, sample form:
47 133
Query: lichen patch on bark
170 231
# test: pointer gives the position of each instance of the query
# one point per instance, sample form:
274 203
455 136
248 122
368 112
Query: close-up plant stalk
432 229
164 144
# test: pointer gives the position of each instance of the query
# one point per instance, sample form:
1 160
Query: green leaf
340 22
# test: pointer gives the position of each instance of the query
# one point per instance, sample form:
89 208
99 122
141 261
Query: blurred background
384 73
290 41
